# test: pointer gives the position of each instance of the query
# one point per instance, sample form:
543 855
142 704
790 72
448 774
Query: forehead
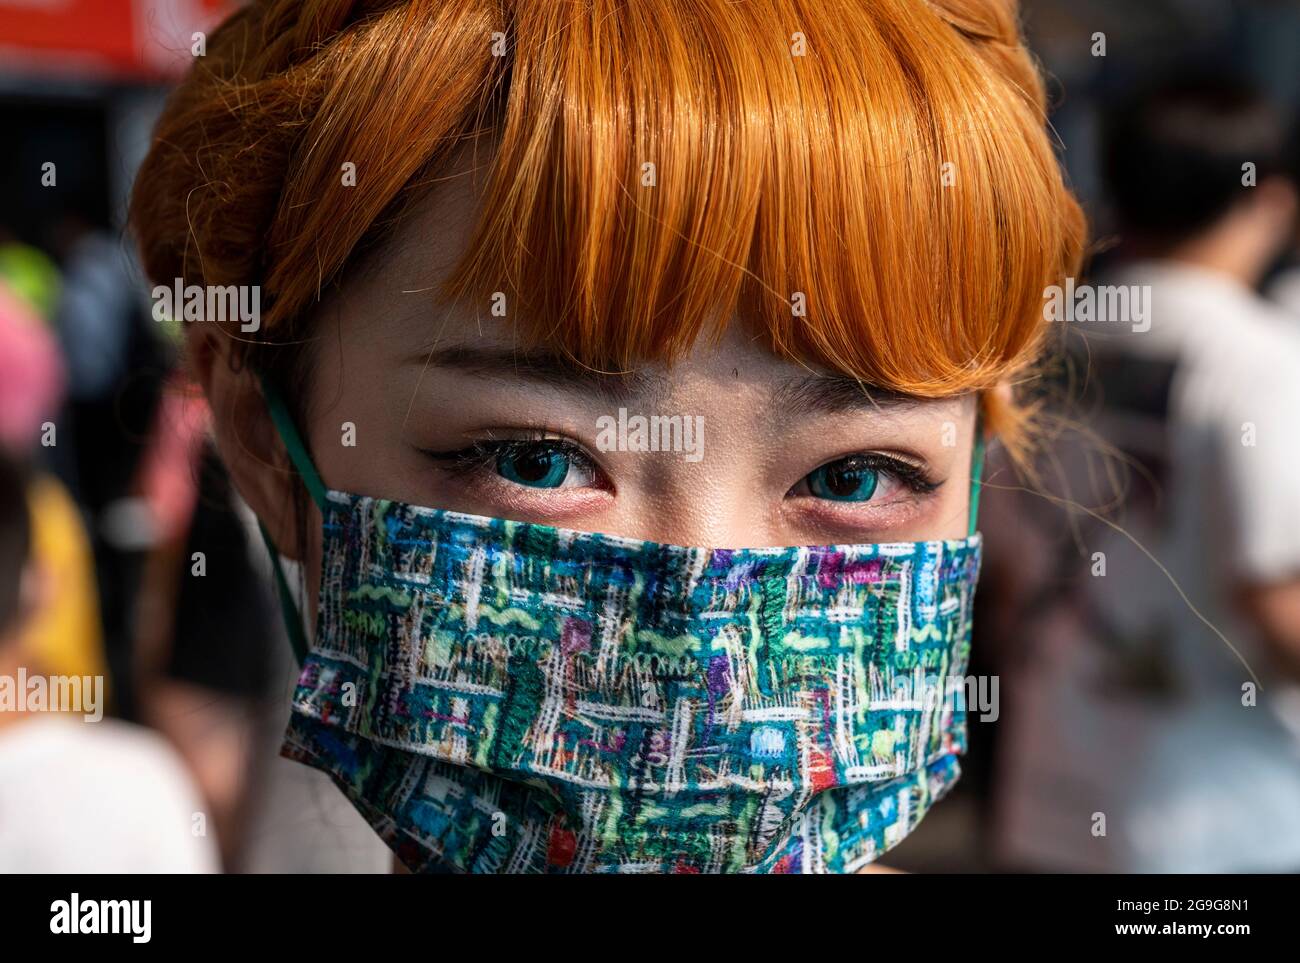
393 313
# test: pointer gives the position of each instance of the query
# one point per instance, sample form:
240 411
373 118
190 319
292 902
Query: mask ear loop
977 468
301 460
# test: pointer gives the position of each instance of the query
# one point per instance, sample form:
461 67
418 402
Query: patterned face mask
502 697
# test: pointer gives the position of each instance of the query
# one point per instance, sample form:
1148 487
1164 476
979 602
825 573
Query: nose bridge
706 528
708 509
701 484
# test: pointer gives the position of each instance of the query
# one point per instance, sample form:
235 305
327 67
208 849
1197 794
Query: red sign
140 38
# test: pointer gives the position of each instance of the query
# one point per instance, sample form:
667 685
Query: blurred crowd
1140 600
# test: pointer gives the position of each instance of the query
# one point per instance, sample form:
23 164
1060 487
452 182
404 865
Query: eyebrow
820 394
798 397
539 368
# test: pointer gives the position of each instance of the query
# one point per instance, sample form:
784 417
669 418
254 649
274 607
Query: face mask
502 697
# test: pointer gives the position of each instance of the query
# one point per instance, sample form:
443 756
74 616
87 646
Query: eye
536 467
863 478
541 463
843 481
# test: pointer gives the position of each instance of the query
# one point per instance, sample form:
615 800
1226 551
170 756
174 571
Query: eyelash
912 477
483 454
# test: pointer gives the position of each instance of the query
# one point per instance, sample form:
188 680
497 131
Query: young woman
620 380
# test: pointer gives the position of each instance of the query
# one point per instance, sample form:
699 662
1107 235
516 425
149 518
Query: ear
246 438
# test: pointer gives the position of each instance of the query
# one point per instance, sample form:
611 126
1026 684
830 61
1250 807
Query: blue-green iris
843 482
534 467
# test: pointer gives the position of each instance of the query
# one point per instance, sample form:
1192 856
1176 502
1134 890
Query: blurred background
1121 738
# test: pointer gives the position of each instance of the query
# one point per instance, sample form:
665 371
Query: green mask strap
288 611
976 469
283 422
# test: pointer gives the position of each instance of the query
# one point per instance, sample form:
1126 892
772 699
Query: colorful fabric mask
503 697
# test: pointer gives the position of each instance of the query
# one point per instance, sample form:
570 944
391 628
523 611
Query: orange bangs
866 184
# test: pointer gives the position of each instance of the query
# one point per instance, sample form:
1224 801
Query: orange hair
884 161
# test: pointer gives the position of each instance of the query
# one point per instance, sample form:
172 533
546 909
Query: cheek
357 409
562 507
913 518
952 519
357 447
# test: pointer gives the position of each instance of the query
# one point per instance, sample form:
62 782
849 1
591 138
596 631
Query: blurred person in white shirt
1136 739
79 792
